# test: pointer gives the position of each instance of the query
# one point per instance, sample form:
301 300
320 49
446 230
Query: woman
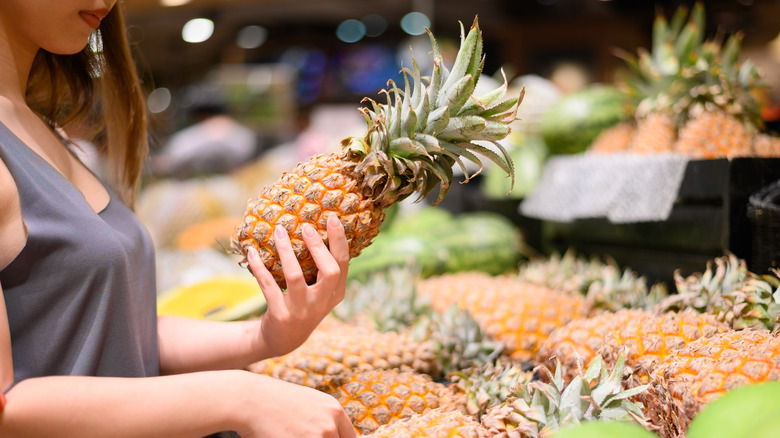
82 352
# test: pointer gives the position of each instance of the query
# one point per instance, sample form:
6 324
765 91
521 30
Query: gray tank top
80 296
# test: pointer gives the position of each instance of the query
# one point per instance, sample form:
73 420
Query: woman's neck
15 64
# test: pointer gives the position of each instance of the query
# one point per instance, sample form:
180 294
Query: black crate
708 219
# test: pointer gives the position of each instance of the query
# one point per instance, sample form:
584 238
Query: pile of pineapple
560 341
690 96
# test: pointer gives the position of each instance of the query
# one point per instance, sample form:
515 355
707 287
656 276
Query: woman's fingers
339 248
264 278
326 265
337 239
293 274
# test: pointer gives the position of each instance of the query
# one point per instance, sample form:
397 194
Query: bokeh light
197 30
414 23
251 37
158 100
351 31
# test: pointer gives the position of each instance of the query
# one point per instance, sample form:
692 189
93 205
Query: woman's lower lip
91 20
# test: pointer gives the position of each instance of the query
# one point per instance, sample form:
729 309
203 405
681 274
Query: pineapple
720 112
336 347
655 76
534 409
538 409
436 423
644 337
715 134
375 397
457 340
410 146
766 145
733 294
706 369
708 303
692 97
517 313
655 134
385 324
615 139
602 282
522 310
480 388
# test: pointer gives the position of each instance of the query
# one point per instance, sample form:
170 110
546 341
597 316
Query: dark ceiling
511 26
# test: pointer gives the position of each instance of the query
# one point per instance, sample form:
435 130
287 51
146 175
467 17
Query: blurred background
279 59
241 90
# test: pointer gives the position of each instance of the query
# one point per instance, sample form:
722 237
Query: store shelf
708 219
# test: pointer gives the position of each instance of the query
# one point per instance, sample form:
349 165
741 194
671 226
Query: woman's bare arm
184 405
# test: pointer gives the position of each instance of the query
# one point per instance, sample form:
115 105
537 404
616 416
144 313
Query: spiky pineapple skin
373 398
335 348
715 134
584 338
615 139
704 370
515 312
436 423
766 145
655 134
645 337
323 185
688 364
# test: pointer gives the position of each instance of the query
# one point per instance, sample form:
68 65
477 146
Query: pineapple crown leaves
685 73
415 138
593 394
757 302
659 71
730 292
389 299
488 385
538 407
602 282
457 339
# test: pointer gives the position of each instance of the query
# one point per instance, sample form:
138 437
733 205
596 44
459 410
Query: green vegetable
573 122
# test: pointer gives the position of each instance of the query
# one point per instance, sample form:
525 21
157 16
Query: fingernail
309 230
252 253
281 232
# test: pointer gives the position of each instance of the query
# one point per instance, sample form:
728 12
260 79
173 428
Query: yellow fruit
220 298
517 313
715 134
655 134
644 337
410 146
704 370
335 348
436 423
376 397
209 233
614 139
766 146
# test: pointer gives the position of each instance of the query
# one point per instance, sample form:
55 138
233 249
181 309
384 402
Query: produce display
559 341
410 146
690 96
451 325
573 122
437 241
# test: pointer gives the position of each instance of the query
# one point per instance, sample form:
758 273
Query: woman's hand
292 315
274 408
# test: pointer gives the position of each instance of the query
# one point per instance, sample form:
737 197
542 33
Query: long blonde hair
98 86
